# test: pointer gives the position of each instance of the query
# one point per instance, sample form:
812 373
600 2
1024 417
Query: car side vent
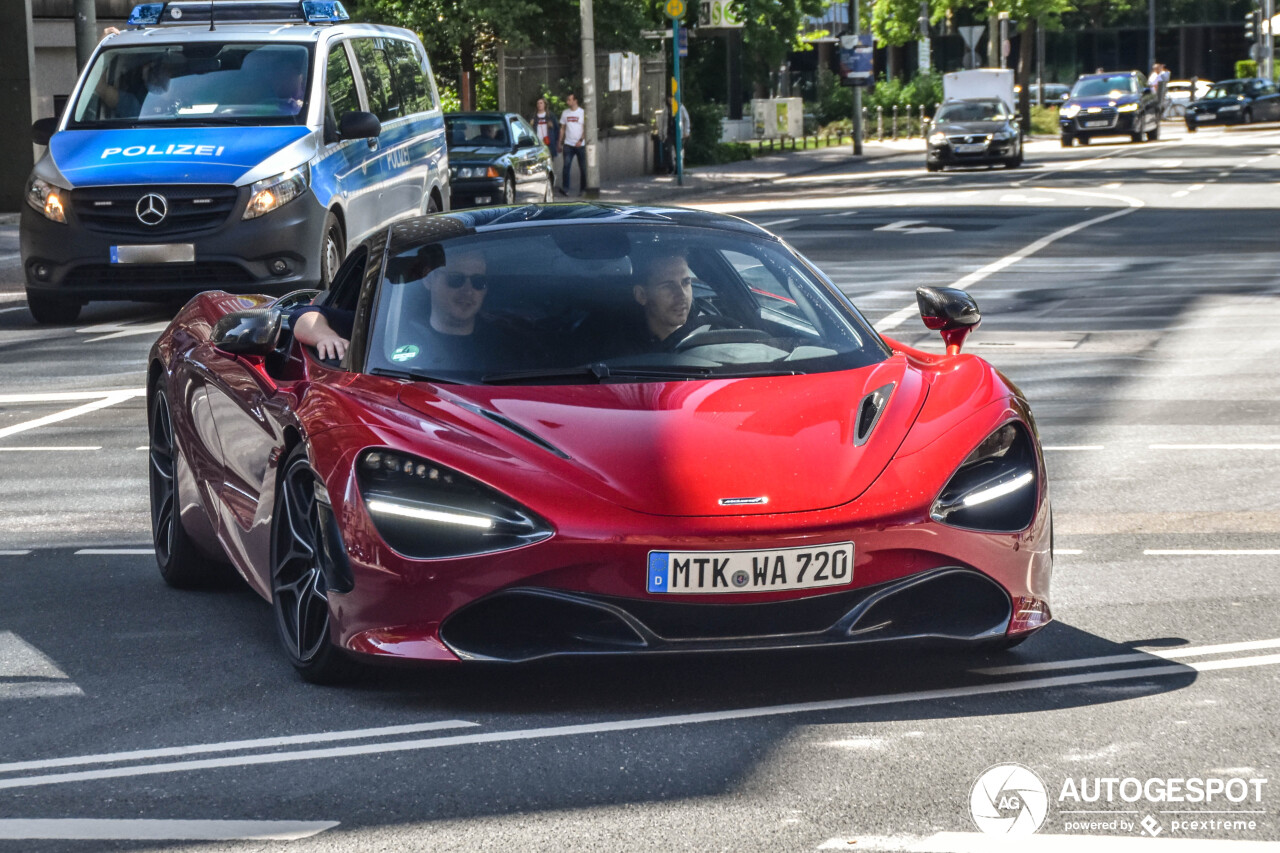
510 425
869 411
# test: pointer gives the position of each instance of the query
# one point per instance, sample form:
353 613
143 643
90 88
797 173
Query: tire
932 167
299 596
550 195
181 563
52 311
1248 117
1084 140
509 190
433 206
1136 137
1191 128
1067 140
332 250
1154 134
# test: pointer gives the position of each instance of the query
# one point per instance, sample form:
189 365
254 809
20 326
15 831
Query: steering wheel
708 337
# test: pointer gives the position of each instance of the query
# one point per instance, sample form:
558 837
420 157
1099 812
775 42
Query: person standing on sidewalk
573 124
545 125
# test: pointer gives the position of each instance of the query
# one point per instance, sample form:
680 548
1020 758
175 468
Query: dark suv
1116 103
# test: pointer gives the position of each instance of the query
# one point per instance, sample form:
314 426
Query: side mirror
952 312
359 125
252 332
42 130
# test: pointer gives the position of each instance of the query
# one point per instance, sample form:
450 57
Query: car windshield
1106 87
195 84
477 131
1227 90
977 111
575 304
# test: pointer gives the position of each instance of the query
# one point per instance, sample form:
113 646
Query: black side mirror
359 125
952 312
42 130
252 332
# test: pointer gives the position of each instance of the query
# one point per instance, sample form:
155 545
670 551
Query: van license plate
155 253
693 572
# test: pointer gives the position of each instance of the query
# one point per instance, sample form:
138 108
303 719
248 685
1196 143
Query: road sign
856 55
719 14
684 41
674 9
970 35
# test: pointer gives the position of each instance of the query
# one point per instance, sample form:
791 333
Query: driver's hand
332 346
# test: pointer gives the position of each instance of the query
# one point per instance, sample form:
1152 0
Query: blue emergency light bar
238 12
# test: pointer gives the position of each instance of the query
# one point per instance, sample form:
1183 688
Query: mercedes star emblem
152 209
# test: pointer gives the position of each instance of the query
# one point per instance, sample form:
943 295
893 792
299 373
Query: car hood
167 155
962 128
1104 101
680 448
475 155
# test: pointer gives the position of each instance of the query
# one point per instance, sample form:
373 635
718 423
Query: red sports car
589 429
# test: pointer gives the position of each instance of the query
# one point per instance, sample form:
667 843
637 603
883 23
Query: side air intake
869 412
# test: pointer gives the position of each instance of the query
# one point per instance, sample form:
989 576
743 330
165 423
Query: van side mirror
952 312
42 130
252 332
359 125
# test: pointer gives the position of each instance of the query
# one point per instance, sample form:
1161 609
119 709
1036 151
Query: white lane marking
1134 657
18 308
1211 552
1180 193
100 552
87 829
63 396
60 449
38 689
116 330
899 317
1019 198
1071 167
15 553
850 176
20 659
980 842
1168 164
111 399
1213 446
1195 187
1140 673
1113 186
234 745
1073 447
1067 552
776 222
913 226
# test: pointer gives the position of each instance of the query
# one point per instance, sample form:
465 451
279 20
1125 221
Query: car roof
416 231
273 32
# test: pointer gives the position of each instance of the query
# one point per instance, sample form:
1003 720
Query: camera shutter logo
151 209
1008 799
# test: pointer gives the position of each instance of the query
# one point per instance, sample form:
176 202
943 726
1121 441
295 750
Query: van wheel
433 206
509 190
332 251
52 311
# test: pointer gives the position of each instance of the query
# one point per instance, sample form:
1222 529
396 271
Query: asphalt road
1132 291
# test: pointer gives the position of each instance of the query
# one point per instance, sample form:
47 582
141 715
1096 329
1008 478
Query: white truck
979 83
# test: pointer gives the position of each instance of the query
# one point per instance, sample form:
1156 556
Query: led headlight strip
994 489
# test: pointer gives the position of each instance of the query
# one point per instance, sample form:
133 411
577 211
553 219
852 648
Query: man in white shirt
573 132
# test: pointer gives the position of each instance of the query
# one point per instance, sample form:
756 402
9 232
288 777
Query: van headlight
270 193
49 200
995 488
427 511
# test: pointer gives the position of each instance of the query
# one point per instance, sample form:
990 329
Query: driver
665 292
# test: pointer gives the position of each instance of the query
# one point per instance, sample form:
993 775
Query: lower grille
201 276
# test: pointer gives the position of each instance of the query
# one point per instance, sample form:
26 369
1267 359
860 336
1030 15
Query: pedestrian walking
573 127
686 128
545 125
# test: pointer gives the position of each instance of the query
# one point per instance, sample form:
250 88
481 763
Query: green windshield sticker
405 353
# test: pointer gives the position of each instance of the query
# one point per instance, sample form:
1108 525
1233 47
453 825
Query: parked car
1235 102
974 132
576 477
1047 94
245 157
1180 93
495 158
1116 103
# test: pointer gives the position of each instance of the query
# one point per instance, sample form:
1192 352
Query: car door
1268 102
390 167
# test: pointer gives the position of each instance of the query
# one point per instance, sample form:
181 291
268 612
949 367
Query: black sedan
974 132
495 158
1235 102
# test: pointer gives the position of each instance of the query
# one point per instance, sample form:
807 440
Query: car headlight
48 199
477 172
426 511
270 193
1002 136
1070 111
937 138
1127 108
995 487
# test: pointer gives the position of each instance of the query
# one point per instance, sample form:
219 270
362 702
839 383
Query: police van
240 145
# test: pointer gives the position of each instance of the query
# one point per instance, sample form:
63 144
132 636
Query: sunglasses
455 280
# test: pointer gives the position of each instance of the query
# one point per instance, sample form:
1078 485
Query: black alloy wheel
299 592
180 561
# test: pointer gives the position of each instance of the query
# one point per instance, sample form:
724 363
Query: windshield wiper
599 371
411 376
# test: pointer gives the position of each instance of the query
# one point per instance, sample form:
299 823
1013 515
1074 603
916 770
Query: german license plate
483 199
155 253
1103 123
971 147
1203 116
779 569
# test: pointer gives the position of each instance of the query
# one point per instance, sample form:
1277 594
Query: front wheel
1191 128
299 592
1067 141
52 311
509 190
180 561
1153 135
333 250
932 167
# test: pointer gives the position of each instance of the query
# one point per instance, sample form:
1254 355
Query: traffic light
1251 25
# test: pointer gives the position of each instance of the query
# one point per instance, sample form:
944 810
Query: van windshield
204 83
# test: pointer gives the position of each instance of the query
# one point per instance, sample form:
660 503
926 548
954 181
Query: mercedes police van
240 145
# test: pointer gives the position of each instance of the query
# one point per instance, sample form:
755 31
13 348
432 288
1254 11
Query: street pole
855 21
1269 45
86 31
1151 33
592 189
677 97
1004 39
